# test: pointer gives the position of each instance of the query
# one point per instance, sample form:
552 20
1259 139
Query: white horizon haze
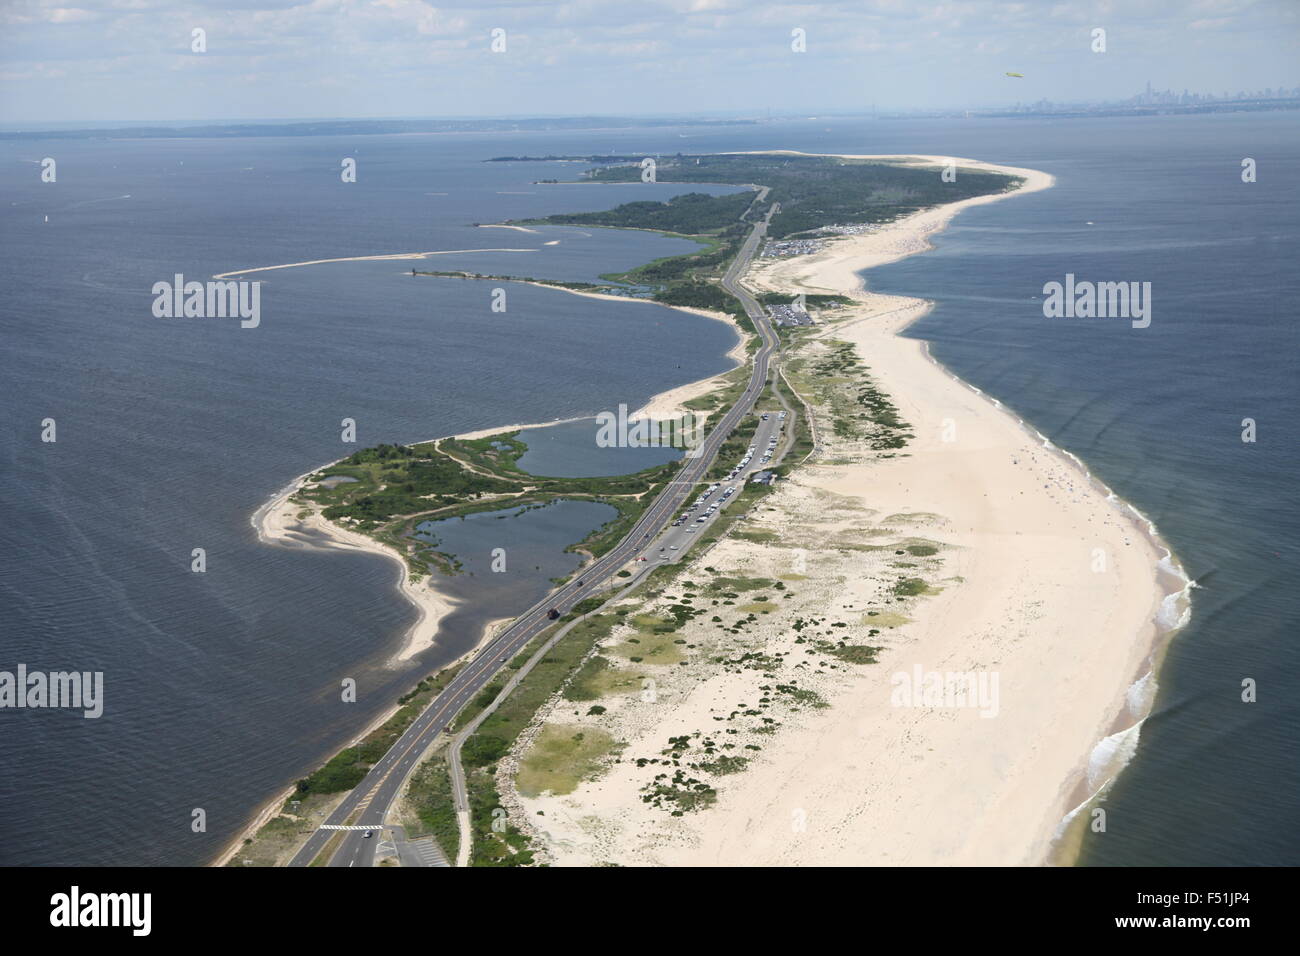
134 60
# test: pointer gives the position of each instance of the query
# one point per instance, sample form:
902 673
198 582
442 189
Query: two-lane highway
368 803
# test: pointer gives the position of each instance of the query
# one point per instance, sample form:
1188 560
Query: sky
99 61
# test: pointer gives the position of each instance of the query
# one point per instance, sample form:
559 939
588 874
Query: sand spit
296 524
394 256
1039 585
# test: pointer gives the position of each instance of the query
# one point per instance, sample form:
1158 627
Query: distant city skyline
204 60
1156 100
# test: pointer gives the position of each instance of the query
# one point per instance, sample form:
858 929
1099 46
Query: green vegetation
859 410
817 191
729 584
726 764
910 587
396 487
688 214
697 294
561 757
496 841
758 537
855 653
429 794
717 223
884 619
598 677
679 793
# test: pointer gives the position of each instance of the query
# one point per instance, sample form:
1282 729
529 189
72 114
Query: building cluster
1154 97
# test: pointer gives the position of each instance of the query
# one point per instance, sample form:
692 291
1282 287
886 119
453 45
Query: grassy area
497 841
689 214
653 645
599 677
884 619
561 757
758 537
429 795
842 385
734 383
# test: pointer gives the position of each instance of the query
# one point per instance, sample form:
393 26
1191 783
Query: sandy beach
287 523
1040 587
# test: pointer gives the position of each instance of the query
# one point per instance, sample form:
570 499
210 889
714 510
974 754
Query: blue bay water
222 687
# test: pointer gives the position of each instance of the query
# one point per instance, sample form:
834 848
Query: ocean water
1157 413
222 687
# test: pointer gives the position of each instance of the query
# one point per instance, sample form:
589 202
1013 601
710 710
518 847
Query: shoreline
1116 734
275 520
1017 520
668 403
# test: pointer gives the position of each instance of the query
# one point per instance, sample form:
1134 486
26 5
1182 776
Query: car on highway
368 834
